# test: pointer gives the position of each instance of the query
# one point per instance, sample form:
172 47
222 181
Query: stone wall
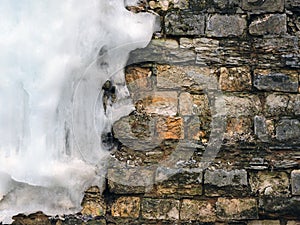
215 135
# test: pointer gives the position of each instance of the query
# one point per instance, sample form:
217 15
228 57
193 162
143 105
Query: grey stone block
260 128
226 25
295 181
184 23
275 82
288 130
263 6
273 24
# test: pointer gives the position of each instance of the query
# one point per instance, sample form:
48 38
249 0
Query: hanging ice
55 56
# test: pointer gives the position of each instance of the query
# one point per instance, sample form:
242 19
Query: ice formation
55 56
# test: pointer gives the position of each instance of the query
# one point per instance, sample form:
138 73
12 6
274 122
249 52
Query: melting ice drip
55 56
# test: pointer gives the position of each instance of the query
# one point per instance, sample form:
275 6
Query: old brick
272 24
224 183
197 210
269 183
264 222
235 79
236 209
285 80
163 209
184 23
295 181
170 128
256 6
129 180
126 207
225 25
288 130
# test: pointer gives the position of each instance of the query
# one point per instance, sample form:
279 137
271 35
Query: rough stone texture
138 79
243 105
272 24
126 207
295 182
264 222
236 209
270 183
160 102
288 130
163 209
129 180
170 128
260 128
186 77
280 206
284 81
225 183
37 218
235 79
275 52
276 104
186 183
256 6
163 51
197 210
225 25
93 204
292 4
190 104
293 223
184 23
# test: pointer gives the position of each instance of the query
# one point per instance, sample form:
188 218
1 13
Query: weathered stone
93 204
160 102
190 104
237 209
288 130
170 128
295 182
172 182
198 128
293 222
168 4
239 129
129 180
185 77
272 24
138 79
184 23
163 51
244 105
264 222
163 209
126 207
225 183
197 210
294 104
285 80
225 26
292 4
280 206
276 105
257 6
275 52
38 218
269 183
235 79
260 128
